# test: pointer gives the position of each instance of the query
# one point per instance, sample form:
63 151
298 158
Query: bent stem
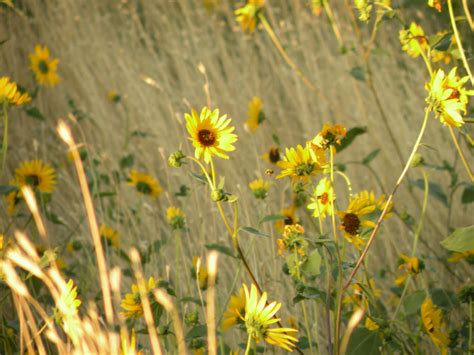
5 136
385 210
461 154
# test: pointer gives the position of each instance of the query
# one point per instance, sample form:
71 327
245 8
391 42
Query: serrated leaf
461 240
358 73
254 231
350 136
364 341
312 265
435 190
221 249
371 156
468 194
35 113
272 218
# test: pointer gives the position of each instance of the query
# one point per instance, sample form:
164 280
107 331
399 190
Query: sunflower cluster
293 239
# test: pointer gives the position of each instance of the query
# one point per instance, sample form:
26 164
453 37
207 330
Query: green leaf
272 218
189 299
276 139
443 298
435 190
199 178
127 161
197 331
6 189
461 240
412 303
468 194
371 156
350 136
35 113
364 341
312 265
441 42
221 249
358 73
254 231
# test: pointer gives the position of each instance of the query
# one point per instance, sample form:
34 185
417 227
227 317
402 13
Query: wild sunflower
293 239
44 67
259 317
436 4
36 174
144 184
290 218
210 134
259 188
321 199
132 303
235 311
434 325
10 94
255 114
330 135
409 266
371 324
109 236
413 40
247 15
299 164
66 311
357 215
201 273
175 217
13 199
365 8
273 156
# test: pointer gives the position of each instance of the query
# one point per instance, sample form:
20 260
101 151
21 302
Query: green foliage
461 240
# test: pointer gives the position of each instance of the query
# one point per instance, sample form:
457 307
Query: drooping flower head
175 217
10 94
413 40
235 311
132 303
210 134
293 239
44 67
144 184
259 318
299 163
321 198
247 15
434 325
357 215
447 97
259 188
37 175
109 235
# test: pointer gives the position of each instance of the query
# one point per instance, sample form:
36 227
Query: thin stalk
461 154
471 320
249 345
385 210
468 14
333 23
458 41
5 136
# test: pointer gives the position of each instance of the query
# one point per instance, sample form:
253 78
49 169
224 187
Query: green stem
5 136
249 345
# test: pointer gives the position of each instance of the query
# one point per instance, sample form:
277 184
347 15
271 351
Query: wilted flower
293 239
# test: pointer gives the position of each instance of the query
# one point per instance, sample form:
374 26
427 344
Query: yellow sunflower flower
175 217
259 317
273 155
447 97
247 15
44 67
109 236
436 4
201 274
235 311
144 184
10 94
329 136
255 114
259 188
356 216
293 238
300 164
409 266
371 325
413 40
290 218
13 199
210 134
132 303
36 174
434 325
321 199
364 7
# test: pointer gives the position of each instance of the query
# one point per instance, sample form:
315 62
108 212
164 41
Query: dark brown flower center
32 180
324 198
206 137
288 220
351 223
454 95
274 155
144 188
43 66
